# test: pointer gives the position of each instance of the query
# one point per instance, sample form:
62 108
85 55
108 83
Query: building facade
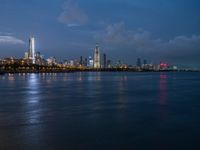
97 58
104 61
31 51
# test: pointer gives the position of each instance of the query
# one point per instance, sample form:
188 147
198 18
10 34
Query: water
83 111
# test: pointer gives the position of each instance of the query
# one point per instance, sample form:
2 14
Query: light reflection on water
11 77
115 108
32 100
33 93
163 96
163 89
94 76
122 91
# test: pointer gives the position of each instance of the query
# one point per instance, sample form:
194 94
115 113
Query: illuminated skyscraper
26 55
31 52
91 62
97 63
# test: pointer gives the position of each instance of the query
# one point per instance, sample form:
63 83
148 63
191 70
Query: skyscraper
31 52
26 55
97 63
145 62
86 62
81 60
104 61
91 62
138 63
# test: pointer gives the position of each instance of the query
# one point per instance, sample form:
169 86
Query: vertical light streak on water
163 96
100 111
163 89
33 98
122 97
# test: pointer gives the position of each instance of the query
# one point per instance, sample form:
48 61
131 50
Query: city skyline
155 30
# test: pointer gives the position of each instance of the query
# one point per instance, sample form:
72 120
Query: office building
138 64
97 63
86 62
104 61
91 62
145 62
31 52
81 61
26 56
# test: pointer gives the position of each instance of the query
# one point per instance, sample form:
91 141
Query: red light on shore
163 65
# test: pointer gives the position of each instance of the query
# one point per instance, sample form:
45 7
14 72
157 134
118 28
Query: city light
34 61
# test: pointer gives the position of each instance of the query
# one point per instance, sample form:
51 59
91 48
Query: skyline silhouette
155 30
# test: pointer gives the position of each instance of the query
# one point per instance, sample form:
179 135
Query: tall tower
138 63
104 61
97 63
31 52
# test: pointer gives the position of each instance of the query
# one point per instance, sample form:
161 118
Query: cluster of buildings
144 65
33 57
97 61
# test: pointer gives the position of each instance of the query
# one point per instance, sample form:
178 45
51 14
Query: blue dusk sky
156 30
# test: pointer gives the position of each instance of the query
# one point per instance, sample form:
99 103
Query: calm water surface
97 111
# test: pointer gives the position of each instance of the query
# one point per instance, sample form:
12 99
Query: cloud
114 33
5 39
117 34
72 14
183 48
141 43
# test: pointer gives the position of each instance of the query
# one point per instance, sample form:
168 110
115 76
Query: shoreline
89 70
35 68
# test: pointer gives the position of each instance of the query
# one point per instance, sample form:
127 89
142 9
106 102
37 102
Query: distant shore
73 70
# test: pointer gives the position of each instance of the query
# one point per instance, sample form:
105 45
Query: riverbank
34 68
73 70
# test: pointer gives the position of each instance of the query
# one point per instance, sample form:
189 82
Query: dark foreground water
100 111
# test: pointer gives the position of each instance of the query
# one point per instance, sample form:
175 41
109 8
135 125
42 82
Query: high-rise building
145 62
85 62
138 62
109 63
81 60
31 51
37 55
104 61
51 61
97 63
91 62
26 55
